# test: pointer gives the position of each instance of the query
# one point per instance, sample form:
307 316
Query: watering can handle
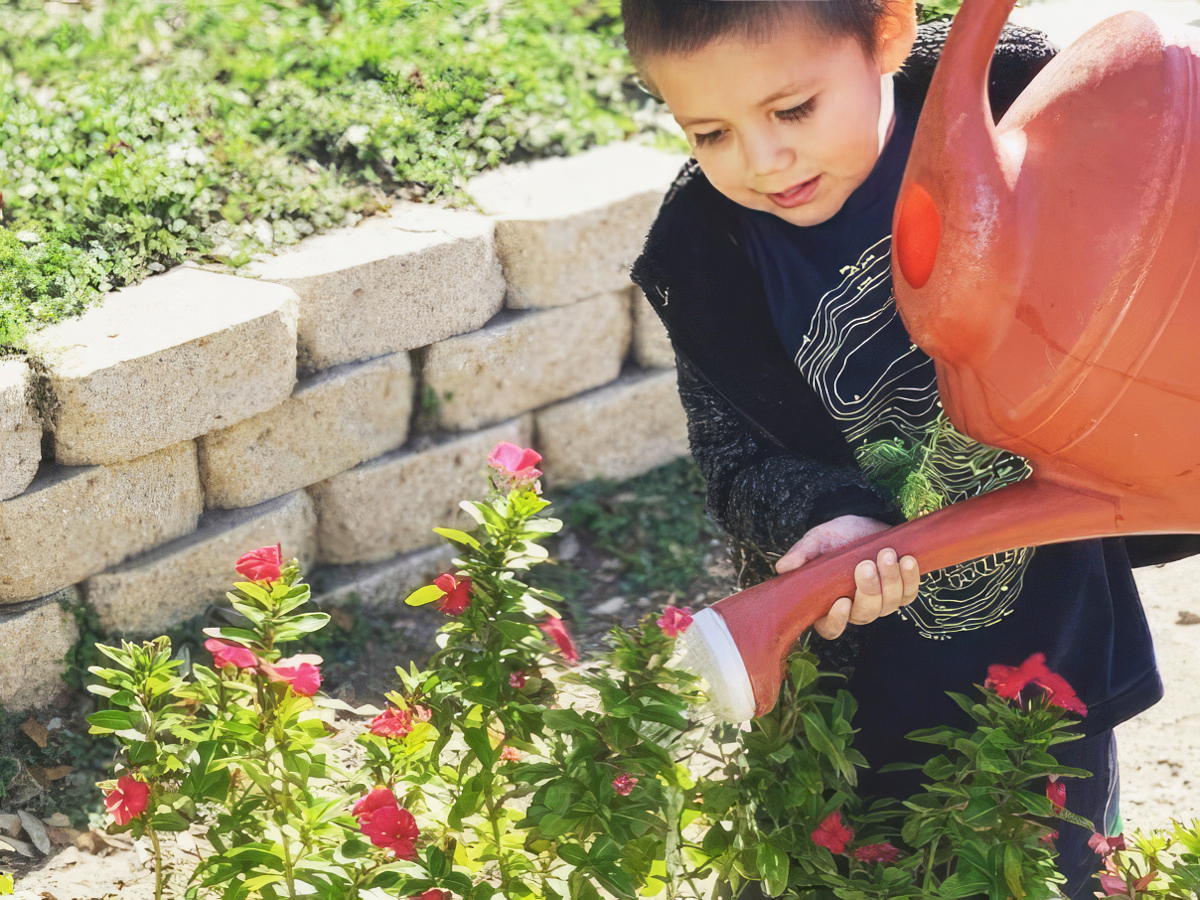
766 620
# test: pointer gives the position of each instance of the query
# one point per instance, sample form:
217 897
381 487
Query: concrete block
20 430
651 346
571 227
35 638
615 432
392 283
74 522
166 361
333 421
382 583
170 584
526 360
392 504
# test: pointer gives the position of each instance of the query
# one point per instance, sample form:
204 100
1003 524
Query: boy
769 263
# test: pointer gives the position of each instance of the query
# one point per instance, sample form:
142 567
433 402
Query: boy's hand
882 585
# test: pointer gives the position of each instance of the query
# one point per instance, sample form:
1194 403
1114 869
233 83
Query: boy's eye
795 114
803 111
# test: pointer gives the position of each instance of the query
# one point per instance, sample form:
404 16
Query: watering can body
1048 264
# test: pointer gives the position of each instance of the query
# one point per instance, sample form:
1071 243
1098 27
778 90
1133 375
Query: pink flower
832 834
392 723
1009 682
1114 886
227 654
1056 793
1049 837
127 800
555 628
263 564
299 671
510 754
675 621
432 894
424 713
877 853
517 679
458 594
1106 845
623 784
514 466
388 825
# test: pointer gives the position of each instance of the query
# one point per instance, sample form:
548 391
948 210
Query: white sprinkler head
711 652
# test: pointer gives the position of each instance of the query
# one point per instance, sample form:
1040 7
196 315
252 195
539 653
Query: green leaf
458 537
773 864
107 720
1012 870
423 595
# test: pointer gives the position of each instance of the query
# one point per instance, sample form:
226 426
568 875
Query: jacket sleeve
764 496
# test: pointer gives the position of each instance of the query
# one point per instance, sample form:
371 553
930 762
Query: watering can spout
954 218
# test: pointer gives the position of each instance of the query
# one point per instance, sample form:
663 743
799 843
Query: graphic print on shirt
879 386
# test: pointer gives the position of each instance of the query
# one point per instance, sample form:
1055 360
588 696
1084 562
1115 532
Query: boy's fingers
891 582
910 574
802 551
868 598
833 623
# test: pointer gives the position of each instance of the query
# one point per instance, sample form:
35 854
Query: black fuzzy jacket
775 462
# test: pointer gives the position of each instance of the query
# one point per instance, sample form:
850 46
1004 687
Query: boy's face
789 126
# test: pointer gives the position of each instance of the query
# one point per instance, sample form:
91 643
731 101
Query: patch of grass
651 533
165 130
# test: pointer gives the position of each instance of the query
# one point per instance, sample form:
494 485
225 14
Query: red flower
1009 682
1061 693
1114 886
227 654
555 628
424 713
263 564
623 784
517 679
1106 845
877 853
1056 793
392 723
832 834
1049 838
514 466
389 826
458 594
127 800
675 621
510 754
432 894
299 671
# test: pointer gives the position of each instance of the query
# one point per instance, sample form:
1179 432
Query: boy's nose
765 158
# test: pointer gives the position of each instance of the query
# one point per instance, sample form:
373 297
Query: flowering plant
512 766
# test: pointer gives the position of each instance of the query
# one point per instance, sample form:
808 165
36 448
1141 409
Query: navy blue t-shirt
829 288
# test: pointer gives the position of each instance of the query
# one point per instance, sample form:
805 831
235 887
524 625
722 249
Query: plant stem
158 865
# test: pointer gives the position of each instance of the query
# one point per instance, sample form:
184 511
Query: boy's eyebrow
784 92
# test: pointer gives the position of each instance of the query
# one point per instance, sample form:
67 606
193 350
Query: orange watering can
1048 264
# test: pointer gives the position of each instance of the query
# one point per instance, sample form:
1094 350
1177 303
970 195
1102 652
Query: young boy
769 264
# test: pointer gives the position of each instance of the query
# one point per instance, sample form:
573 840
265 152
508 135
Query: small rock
9 824
609 607
568 548
58 820
1187 618
12 844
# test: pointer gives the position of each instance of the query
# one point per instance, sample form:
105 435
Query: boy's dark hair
659 27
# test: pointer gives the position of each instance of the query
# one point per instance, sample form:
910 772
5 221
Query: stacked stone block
340 398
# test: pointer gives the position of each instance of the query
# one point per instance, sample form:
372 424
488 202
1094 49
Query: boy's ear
897 34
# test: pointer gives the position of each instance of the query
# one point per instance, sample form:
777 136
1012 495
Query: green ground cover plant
145 132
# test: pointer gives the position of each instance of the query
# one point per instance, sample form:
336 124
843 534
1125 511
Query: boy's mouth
797 194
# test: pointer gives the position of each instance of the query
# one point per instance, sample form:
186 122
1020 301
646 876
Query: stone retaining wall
340 397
